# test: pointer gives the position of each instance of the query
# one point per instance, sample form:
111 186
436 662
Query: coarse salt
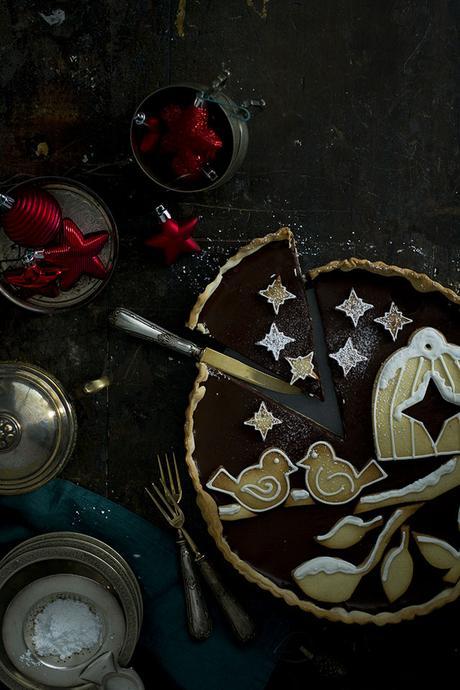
65 627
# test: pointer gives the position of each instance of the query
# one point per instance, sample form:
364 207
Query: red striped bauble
35 218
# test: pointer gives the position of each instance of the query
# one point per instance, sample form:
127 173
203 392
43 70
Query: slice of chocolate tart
257 307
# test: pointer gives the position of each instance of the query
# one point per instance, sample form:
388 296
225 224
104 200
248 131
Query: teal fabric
217 663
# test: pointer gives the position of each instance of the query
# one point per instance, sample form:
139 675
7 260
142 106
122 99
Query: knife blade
245 372
132 323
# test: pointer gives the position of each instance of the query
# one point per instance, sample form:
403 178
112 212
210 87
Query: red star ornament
77 254
35 279
174 238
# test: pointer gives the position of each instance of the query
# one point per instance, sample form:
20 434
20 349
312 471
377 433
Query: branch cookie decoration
333 580
402 382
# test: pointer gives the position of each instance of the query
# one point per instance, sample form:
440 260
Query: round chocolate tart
343 500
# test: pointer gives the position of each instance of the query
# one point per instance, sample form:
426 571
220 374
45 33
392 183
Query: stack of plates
92 564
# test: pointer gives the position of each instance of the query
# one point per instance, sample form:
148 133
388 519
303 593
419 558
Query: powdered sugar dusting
65 627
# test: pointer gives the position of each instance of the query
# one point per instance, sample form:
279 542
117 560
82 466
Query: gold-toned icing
401 382
330 479
259 487
301 367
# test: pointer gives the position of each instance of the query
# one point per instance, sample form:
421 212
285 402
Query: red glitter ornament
77 254
174 238
32 218
189 139
150 140
35 279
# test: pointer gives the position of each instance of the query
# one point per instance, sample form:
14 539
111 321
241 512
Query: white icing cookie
402 382
263 420
258 487
330 479
275 341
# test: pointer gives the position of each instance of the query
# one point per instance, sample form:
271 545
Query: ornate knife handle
132 323
198 621
241 623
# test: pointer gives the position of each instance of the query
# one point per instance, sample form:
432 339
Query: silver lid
37 427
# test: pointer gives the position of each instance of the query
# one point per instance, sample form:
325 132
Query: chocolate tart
361 526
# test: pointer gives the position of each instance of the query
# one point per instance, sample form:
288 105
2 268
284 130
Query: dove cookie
353 514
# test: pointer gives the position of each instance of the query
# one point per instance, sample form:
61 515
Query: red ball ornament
174 238
32 218
77 254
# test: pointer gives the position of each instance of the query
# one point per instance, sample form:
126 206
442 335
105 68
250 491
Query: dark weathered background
357 151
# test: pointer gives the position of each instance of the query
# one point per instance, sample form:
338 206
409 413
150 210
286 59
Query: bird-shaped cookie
330 479
259 487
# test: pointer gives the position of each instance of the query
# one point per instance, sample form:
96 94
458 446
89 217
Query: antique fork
170 496
199 623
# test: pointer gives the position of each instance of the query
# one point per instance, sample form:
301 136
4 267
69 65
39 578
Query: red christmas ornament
150 140
35 279
77 254
174 238
189 139
32 218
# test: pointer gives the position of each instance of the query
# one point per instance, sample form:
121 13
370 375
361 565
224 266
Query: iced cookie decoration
330 479
276 294
332 579
397 568
401 383
275 341
361 532
348 357
259 487
348 531
301 367
354 307
393 321
262 421
440 554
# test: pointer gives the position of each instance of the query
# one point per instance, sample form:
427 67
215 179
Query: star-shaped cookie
301 367
348 356
393 320
276 294
275 341
263 421
354 307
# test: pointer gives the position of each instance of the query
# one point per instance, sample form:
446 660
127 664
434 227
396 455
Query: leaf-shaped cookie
397 569
440 554
347 532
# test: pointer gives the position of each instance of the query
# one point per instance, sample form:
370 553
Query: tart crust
206 503
256 244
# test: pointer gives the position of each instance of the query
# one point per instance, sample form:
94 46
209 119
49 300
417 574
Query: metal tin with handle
230 119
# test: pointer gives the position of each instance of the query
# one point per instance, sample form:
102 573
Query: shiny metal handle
198 620
132 323
241 623
6 202
104 672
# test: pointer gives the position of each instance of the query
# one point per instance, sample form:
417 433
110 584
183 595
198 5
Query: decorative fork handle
132 323
241 623
198 620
